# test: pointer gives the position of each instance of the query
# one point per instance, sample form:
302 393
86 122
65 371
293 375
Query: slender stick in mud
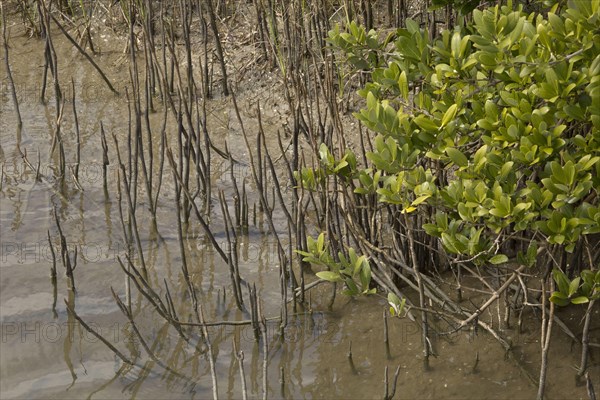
585 340
237 201
170 303
66 259
94 333
11 82
387 395
424 325
51 60
146 290
476 363
283 289
276 183
234 270
85 54
211 360
132 216
218 47
385 384
201 219
263 332
386 339
254 311
141 338
105 161
547 322
259 8
255 173
351 360
78 135
239 355
184 264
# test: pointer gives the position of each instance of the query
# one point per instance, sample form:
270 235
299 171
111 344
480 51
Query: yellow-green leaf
329 276
449 115
498 259
457 157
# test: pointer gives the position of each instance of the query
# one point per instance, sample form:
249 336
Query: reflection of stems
589 387
474 369
66 259
350 360
53 277
69 339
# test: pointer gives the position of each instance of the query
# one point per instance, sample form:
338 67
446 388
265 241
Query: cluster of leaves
361 48
352 270
580 290
506 110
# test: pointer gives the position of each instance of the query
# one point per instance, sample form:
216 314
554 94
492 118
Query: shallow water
46 354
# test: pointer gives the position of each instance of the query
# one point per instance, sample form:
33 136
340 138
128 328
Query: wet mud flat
120 187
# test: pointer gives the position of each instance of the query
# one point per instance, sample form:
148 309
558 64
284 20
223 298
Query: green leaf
425 122
487 59
351 286
396 305
455 45
573 286
449 115
580 300
559 299
365 277
393 299
420 199
321 242
498 259
323 152
457 157
403 84
330 276
562 281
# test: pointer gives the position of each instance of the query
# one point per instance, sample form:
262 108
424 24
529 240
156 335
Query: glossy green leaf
457 157
329 276
499 259
449 115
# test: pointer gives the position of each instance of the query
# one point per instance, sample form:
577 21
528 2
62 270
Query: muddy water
46 354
